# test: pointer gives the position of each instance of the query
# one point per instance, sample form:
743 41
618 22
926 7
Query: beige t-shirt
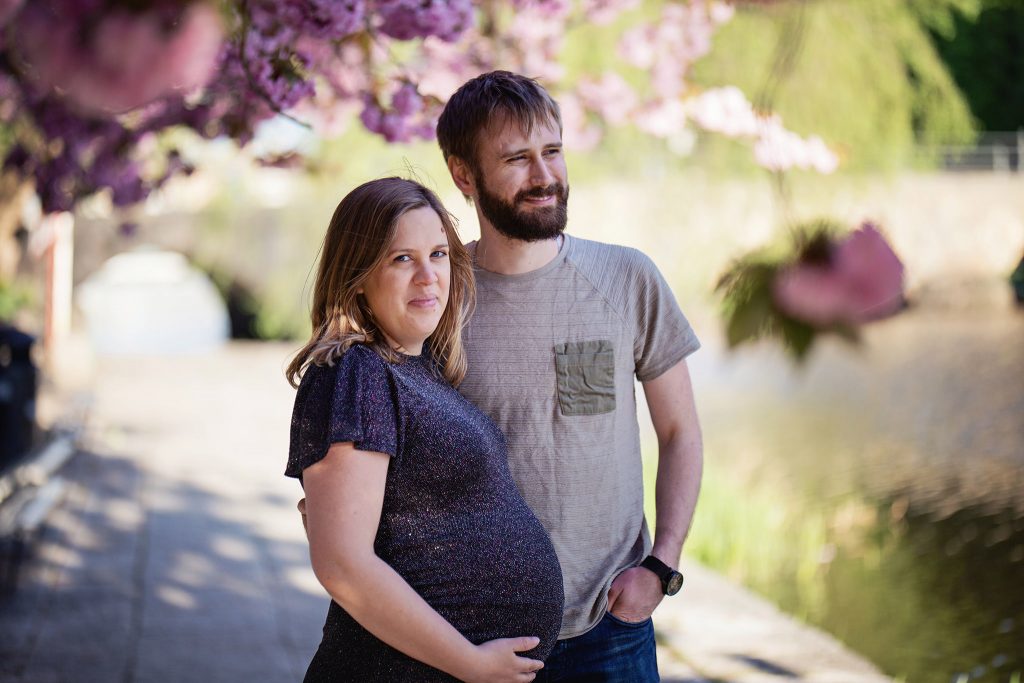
552 356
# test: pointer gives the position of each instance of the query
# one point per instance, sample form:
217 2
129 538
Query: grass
748 532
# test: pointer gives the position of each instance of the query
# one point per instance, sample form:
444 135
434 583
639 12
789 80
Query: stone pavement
177 554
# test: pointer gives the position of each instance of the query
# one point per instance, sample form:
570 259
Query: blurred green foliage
982 45
14 297
864 75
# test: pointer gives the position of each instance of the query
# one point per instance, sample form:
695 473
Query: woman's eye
401 258
439 254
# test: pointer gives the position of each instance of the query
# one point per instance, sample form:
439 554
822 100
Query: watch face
675 582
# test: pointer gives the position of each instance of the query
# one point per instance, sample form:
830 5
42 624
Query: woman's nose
426 274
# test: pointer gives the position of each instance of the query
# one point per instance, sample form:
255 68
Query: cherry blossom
610 97
84 82
406 19
125 60
606 11
7 9
860 280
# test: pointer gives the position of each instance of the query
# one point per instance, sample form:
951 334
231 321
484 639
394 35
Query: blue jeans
614 651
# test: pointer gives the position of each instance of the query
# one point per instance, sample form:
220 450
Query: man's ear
462 175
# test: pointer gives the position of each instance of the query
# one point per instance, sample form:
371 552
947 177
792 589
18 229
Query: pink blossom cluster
579 130
124 59
94 153
343 77
7 9
407 119
778 149
602 12
534 38
324 19
96 78
552 9
667 48
610 97
727 111
444 66
860 280
407 19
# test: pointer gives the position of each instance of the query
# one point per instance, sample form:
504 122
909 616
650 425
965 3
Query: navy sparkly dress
453 523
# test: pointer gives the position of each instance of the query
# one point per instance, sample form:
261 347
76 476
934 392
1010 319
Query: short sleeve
663 334
353 400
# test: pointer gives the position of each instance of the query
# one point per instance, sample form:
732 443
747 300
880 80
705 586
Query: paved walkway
177 554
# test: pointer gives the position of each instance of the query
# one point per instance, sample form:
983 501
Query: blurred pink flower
126 61
611 97
7 9
662 118
862 280
722 12
724 110
778 149
446 66
578 133
727 111
546 8
606 11
637 46
538 32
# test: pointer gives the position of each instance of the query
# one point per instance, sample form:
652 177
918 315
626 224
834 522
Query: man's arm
636 592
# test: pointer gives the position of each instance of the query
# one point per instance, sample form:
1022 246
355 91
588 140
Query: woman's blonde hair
357 241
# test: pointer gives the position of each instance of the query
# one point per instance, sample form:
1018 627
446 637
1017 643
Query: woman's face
408 292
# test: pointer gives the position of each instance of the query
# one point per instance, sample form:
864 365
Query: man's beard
529 225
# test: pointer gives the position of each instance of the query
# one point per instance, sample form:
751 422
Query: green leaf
749 320
796 337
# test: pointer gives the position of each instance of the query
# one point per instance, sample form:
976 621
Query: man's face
521 181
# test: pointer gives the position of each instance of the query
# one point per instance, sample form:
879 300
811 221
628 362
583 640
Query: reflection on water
879 493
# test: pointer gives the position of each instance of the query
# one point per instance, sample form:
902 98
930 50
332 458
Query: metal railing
997 152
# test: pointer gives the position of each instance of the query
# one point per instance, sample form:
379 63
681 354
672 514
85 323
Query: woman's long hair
357 241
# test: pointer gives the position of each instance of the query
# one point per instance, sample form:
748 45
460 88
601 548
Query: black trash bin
18 382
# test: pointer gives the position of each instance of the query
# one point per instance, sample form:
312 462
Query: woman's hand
344 499
496 661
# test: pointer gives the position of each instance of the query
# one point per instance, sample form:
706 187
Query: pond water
878 492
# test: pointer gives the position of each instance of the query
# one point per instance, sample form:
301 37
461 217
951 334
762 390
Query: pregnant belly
497 579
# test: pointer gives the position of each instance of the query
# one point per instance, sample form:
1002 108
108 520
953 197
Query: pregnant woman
437 569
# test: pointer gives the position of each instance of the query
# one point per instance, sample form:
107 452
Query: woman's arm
344 496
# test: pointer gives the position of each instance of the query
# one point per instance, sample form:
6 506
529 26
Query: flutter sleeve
353 400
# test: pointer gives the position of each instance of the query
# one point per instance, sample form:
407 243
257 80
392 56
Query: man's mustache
556 189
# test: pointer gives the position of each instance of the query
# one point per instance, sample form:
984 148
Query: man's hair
486 99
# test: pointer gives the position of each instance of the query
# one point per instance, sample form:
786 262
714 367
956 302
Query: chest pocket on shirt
586 377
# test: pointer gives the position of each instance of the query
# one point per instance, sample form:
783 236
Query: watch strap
665 573
657 566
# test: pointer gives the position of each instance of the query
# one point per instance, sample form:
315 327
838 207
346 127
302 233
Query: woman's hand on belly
497 661
345 493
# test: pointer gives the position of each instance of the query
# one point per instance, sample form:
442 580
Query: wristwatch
671 580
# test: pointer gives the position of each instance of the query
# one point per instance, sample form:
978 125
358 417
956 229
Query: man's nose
540 174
